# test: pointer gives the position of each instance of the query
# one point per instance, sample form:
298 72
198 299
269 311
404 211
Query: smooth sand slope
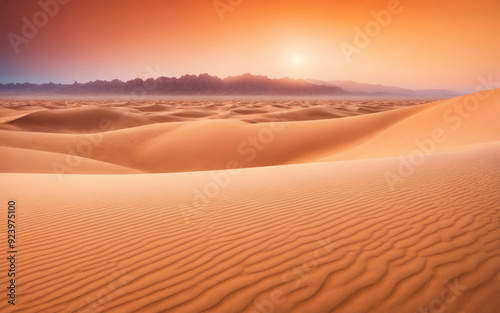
392 212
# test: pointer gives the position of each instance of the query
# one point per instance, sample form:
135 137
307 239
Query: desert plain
259 206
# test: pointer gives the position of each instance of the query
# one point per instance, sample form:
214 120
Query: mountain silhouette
203 84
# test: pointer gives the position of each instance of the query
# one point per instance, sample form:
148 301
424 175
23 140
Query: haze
424 45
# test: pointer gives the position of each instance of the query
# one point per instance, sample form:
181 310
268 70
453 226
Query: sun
298 59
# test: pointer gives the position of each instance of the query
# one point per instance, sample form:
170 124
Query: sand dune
77 120
17 160
285 139
337 206
72 116
325 237
451 123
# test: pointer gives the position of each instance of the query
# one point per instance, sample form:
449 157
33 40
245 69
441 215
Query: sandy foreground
253 206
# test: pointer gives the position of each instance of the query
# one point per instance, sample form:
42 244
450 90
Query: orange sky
429 44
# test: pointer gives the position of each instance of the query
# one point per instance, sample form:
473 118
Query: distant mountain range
381 90
205 84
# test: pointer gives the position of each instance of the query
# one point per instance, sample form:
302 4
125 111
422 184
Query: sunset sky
426 43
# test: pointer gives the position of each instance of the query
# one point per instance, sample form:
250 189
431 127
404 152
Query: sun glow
298 59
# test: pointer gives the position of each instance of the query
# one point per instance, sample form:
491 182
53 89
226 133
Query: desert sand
254 206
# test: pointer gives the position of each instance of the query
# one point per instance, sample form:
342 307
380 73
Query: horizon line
307 80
